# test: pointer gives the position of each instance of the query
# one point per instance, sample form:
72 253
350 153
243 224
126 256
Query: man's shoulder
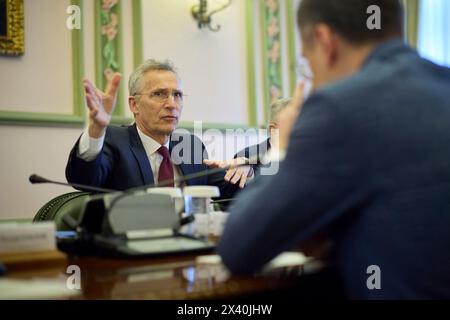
118 133
402 74
116 129
379 85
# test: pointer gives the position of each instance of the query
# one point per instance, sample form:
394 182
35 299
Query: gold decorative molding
12 26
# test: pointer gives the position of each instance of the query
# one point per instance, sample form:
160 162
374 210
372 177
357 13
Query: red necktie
165 169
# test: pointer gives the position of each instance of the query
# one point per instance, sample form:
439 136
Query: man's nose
171 102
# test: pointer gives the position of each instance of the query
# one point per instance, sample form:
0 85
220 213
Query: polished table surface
168 278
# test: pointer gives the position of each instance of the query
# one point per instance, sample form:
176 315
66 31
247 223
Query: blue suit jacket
369 165
123 163
255 153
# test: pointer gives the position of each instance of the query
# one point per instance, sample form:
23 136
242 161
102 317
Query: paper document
40 289
26 237
285 259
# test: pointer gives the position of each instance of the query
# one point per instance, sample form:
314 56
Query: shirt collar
150 145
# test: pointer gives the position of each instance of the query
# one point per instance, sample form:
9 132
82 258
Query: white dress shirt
89 148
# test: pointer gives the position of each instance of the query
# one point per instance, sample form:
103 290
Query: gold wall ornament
200 14
12 28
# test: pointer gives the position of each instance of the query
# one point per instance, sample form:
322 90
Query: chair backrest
65 204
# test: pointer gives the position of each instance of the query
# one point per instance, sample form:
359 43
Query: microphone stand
36 179
200 174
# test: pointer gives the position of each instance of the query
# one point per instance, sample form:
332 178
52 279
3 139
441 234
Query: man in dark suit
367 163
257 156
148 151
260 154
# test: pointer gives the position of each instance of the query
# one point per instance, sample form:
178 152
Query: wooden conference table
168 278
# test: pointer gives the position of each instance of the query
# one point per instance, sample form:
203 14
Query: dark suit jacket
123 163
369 165
255 152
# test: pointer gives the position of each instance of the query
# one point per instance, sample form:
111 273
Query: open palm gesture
101 104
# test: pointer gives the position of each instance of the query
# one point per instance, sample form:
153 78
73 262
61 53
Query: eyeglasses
162 95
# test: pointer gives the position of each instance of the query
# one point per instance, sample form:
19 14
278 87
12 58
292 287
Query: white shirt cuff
89 148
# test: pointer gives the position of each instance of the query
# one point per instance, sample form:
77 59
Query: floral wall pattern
109 22
273 49
109 47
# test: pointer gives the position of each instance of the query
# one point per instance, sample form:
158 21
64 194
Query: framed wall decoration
12 28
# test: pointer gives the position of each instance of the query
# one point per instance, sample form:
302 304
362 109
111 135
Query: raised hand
288 116
101 104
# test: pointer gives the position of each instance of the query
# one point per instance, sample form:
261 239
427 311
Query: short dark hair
348 18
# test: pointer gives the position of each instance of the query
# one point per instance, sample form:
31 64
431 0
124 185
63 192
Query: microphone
200 174
167 182
222 200
36 179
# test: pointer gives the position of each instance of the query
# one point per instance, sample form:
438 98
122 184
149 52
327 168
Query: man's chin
168 129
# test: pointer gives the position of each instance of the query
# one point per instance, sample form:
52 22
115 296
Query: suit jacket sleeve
92 173
255 152
227 189
315 183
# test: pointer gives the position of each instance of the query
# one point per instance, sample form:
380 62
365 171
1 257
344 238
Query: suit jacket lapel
185 169
141 157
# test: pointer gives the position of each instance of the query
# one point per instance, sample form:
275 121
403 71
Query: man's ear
327 41
132 104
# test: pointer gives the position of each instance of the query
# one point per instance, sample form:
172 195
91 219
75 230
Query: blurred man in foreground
367 163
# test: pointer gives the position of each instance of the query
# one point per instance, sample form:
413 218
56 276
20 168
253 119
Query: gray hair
148 65
276 108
